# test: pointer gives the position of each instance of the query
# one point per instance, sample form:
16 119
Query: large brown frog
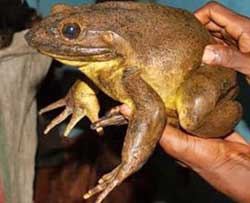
148 57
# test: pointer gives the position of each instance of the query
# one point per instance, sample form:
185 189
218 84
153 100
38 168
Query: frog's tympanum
148 57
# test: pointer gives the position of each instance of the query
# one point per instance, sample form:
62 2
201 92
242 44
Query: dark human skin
159 76
224 163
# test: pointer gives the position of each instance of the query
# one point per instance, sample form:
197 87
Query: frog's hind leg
205 102
145 128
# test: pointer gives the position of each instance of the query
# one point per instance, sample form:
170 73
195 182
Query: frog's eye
71 31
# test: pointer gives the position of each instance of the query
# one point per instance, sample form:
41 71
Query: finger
224 39
221 33
212 26
182 164
228 57
244 42
236 137
235 24
217 35
219 40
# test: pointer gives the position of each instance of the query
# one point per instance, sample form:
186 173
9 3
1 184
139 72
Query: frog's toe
106 184
100 131
112 117
104 189
108 176
113 111
107 190
77 115
108 121
95 190
55 105
61 117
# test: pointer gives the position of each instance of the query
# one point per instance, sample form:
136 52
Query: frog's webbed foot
107 183
112 117
146 125
79 102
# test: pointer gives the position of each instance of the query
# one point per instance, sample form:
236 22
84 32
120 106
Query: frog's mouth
69 52
81 54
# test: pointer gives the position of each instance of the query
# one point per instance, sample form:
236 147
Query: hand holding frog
232 31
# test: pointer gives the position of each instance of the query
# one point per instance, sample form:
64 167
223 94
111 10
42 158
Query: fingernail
210 56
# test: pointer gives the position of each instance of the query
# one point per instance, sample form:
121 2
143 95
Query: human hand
224 163
232 32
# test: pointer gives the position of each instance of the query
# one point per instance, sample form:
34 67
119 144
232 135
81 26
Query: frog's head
74 34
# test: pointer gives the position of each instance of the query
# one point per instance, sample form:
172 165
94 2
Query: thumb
228 57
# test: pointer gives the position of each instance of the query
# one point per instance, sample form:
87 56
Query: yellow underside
107 76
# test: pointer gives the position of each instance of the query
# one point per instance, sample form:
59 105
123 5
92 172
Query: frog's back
156 33
168 42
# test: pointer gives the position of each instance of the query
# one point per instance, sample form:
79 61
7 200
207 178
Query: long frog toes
79 102
106 184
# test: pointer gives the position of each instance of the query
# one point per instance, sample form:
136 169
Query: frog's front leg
145 128
79 102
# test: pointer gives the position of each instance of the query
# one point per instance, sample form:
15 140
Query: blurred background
67 168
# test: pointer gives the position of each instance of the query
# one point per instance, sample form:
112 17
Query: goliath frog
148 57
